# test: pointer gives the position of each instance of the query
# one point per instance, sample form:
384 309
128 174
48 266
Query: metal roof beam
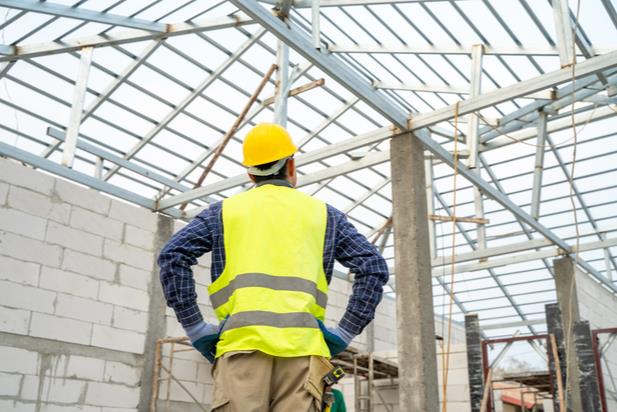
28 51
338 3
457 50
80 13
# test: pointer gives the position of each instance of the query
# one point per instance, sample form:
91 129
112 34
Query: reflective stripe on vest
273 288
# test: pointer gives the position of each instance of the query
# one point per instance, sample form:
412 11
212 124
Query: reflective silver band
277 320
262 280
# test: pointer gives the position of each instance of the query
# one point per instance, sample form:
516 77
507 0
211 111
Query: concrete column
414 291
474 361
565 284
156 314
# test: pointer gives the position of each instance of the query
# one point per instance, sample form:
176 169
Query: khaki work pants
251 381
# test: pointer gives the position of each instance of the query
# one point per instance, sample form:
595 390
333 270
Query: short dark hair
280 174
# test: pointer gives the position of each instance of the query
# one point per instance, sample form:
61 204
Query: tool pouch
318 368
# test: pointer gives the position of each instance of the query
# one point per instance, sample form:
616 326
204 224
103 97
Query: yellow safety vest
273 288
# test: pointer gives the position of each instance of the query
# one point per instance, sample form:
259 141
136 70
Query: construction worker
273 251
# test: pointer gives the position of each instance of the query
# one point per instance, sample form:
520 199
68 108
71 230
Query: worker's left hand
337 338
204 337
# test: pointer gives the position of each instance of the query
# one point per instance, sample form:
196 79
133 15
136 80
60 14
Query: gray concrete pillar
156 314
565 284
414 291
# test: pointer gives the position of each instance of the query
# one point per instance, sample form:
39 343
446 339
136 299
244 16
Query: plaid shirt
205 233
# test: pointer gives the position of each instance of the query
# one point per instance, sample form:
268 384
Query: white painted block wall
74 272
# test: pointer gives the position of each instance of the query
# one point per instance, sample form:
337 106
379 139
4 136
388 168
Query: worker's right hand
204 337
337 338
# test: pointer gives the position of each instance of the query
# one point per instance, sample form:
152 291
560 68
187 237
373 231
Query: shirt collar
275 182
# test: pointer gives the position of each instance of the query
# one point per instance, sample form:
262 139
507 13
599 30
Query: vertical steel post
477 54
282 83
79 97
563 31
430 204
315 23
539 166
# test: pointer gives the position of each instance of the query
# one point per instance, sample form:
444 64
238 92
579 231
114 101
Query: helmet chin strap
255 171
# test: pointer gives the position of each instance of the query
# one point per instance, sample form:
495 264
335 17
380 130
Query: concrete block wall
75 273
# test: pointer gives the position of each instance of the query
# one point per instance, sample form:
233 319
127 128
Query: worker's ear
252 178
291 171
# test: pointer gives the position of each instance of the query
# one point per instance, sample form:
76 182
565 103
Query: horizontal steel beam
79 177
455 50
28 51
589 67
516 324
442 88
81 13
527 257
342 3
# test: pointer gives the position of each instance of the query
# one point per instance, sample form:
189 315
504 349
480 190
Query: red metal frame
485 343
598 361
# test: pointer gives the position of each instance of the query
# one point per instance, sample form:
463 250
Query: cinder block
130 319
26 297
39 205
30 250
184 370
4 190
22 223
62 329
133 215
14 321
135 278
18 175
83 309
109 394
130 255
74 239
122 373
124 296
18 360
18 271
54 389
82 197
105 226
16 406
118 339
88 265
9 384
139 237
81 367
72 283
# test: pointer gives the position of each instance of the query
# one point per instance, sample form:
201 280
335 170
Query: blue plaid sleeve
355 252
179 254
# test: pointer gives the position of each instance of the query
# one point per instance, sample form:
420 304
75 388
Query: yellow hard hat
266 143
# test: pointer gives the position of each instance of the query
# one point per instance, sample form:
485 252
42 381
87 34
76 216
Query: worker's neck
275 182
